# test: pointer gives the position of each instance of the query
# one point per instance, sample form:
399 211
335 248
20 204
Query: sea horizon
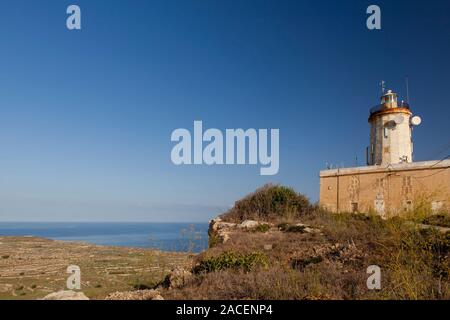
166 236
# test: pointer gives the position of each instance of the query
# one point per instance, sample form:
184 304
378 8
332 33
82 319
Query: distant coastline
180 237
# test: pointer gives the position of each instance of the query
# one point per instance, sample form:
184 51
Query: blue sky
86 116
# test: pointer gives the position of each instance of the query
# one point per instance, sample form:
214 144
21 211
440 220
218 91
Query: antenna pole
407 89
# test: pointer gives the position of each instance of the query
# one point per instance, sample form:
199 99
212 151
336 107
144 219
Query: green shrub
263 228
271 202
213 239
232 260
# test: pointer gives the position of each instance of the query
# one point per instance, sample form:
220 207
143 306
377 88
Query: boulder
249 224
135 295
66 295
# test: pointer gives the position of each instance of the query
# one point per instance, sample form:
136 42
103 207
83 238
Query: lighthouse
391 123
391 184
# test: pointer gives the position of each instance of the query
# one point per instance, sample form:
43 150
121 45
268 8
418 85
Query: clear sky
86 116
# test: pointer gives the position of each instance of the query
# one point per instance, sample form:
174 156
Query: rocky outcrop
66 295
219 231
338 254
249 224
178 278
135 295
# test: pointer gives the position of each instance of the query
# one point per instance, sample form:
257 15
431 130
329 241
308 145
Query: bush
232 260
271 202
263 228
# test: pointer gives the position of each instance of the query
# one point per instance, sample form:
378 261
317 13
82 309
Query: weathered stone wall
391 142
387 190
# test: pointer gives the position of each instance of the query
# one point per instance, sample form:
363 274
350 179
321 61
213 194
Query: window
436 206
408 205
379 206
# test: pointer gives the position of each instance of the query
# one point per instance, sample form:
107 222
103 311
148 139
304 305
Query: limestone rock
306 228
217 224
66 295
135 295
220 229
178 278
311 230
249 224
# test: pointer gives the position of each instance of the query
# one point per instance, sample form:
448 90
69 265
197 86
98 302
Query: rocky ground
32 268
321 256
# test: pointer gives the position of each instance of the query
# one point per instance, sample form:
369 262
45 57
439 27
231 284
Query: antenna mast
382 83
407 89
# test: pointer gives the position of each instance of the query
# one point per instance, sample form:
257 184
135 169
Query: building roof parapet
433 164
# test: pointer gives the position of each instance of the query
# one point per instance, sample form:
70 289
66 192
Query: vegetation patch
300 264
213 239
269 203
263 228
232 260
141 286
441 220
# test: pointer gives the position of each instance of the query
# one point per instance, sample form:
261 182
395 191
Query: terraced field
31 268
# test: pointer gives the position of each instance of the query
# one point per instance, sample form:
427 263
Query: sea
181 237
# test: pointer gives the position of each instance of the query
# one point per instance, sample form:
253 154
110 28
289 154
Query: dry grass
266 284
327 265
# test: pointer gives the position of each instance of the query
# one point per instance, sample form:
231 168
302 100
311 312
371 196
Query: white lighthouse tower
391 126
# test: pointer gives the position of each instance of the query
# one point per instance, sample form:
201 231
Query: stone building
391 182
